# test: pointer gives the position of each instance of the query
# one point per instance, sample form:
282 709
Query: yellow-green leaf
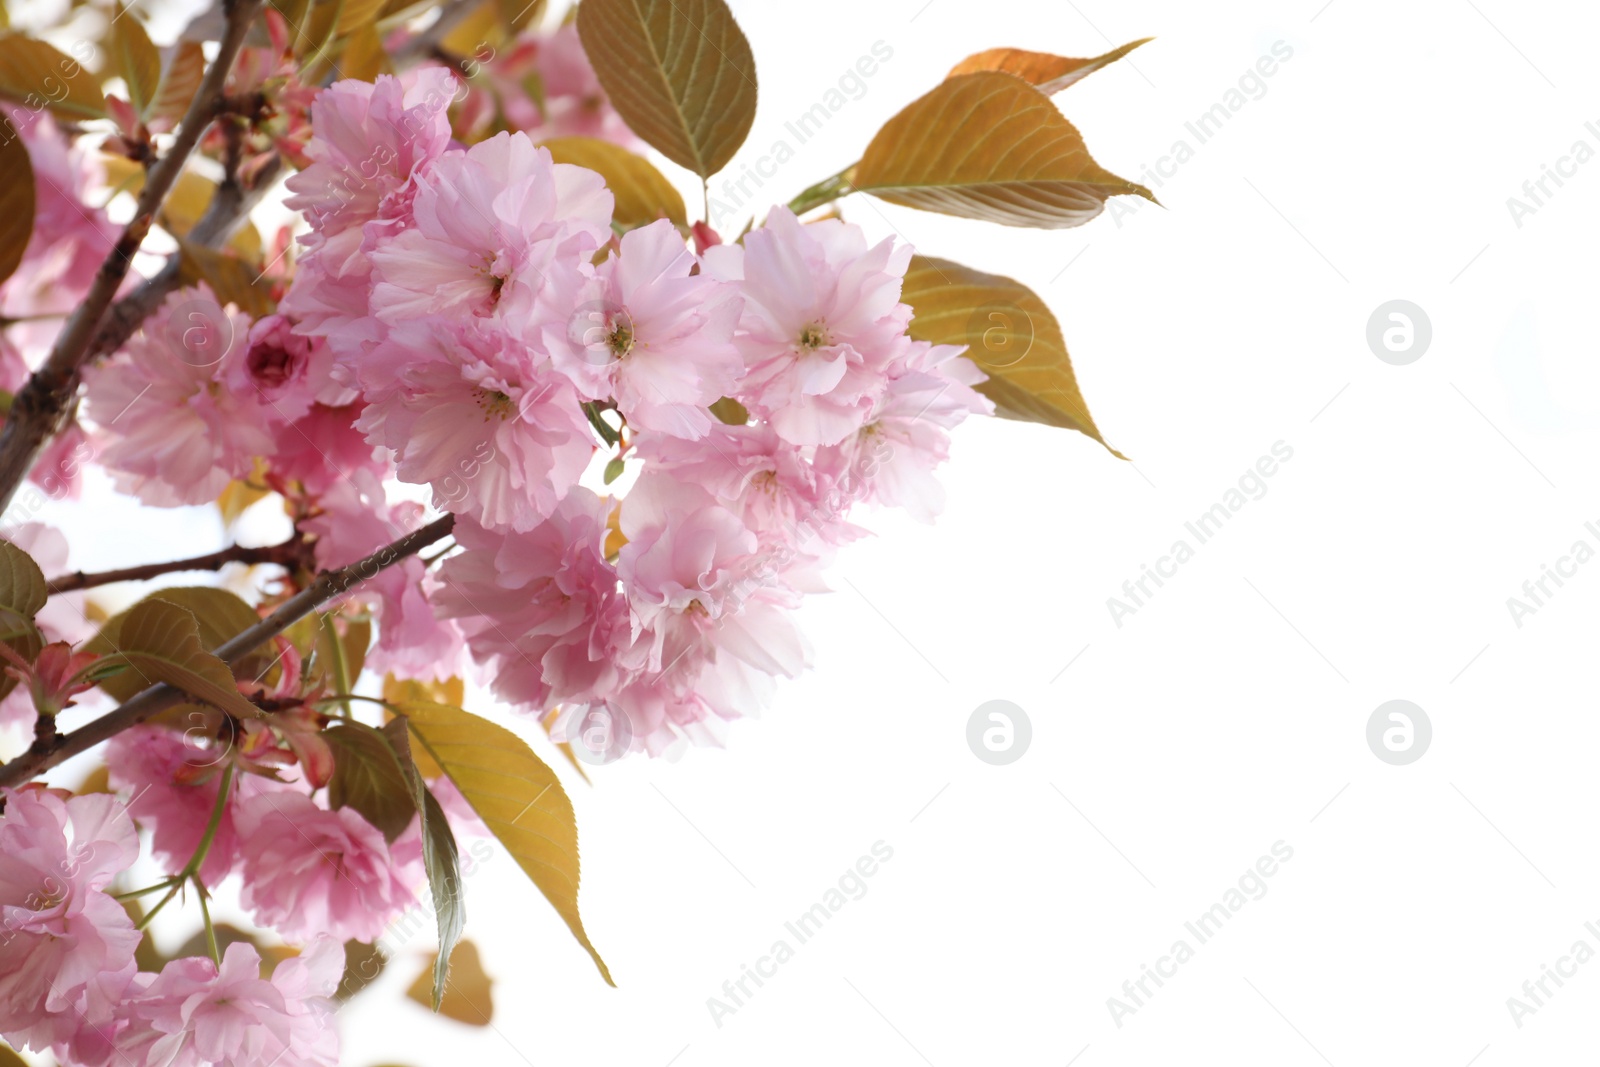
988 146
468 996
1047 73
516 795
179 82
679 72
37 75
17 199
642 193
160 642
1009 333
134 57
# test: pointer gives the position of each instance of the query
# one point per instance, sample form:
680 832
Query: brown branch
41 405
290 553
327 586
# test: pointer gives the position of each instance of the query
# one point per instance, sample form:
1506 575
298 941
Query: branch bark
285 553
41 405
158 698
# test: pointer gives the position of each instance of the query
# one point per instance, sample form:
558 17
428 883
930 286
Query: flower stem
205 917
824 192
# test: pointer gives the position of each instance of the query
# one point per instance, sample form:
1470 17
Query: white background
1230 712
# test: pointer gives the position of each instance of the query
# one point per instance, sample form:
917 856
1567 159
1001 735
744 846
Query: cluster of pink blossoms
68 980
468 319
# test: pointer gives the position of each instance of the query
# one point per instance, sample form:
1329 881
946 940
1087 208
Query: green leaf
363 963
469 998
218 613
988 146
642 193
134 57
160 642
23 592
367 776
23 589
1045 72
17 199
1009 333
516 795
37 75
440 856
614 469
679 72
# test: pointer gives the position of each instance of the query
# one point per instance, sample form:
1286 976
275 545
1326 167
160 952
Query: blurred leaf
468 998
219 614
517 15
440 856
1047 73
317 29
1009 333
17 199
36 75
232 279
643 194
226 935
730 412
364 58
516 795
185 205
179 82
367 777
160 642
133 57
679 72
481 27
988 146
357 15
96 781
362 965
237 496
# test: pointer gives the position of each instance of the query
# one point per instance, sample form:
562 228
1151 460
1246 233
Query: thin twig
327 586
286 553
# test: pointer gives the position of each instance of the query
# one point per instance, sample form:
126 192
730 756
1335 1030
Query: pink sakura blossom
894 454
283 370
712 620
323 448
490 225
369 140
541 608
310 870
175 431
652 336
195 1014
355 521
61 619
822 322
172 779
66 947
472 412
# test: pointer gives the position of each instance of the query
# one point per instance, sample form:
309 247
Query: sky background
1174 747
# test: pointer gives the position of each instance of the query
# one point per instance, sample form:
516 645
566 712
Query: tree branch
327 586
41 405
285 554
